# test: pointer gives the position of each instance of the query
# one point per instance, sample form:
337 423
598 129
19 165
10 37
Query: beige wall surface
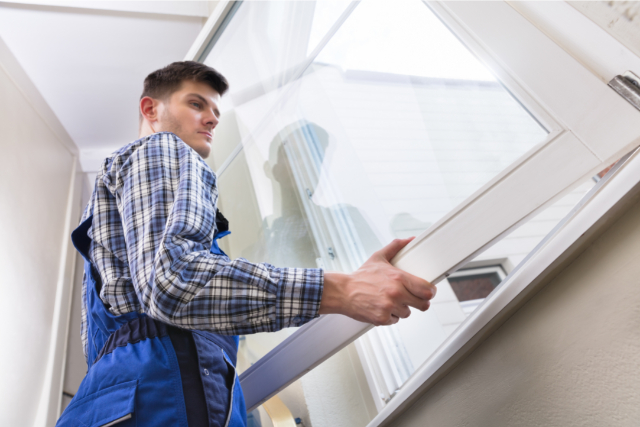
35 180
569 357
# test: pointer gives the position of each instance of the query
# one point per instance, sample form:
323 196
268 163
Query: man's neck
145 129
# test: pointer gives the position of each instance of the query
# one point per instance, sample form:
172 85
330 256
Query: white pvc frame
590 127
613 194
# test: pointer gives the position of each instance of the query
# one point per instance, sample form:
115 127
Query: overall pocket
111 406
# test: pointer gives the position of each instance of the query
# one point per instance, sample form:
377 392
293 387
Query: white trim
470 306
604 124
577 98
502 73
209 30
373 373
609 198
297 355
51 393
198 9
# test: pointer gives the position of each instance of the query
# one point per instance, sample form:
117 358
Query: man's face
191 113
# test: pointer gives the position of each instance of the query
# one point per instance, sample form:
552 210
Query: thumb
392 249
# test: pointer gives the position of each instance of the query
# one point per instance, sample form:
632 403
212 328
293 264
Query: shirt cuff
299 295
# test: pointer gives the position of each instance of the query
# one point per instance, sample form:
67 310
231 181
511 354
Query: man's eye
195 104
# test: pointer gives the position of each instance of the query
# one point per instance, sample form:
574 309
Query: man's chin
204 150
202 147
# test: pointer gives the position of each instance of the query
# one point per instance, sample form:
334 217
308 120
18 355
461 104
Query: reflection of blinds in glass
340 243
334 231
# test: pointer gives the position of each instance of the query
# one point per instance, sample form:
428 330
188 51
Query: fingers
403 312
390 315
404 291
391 320
411 290
421 303
392 249
419 288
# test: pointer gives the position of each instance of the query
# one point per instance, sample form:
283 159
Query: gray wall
569 357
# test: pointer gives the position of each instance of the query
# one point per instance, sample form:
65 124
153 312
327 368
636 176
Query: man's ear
149 108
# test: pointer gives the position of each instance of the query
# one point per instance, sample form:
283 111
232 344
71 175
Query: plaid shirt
154 218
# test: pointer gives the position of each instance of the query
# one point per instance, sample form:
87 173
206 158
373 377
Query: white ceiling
89 62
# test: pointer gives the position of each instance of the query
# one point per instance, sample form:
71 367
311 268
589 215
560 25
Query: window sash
590 127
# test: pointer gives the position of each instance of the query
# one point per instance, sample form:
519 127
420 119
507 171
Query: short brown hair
163 82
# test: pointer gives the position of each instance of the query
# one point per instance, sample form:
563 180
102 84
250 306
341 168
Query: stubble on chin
171 124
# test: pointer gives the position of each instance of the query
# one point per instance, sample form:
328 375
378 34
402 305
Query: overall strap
101 323
80 238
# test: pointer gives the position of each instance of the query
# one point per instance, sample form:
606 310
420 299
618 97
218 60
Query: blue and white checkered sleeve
167 198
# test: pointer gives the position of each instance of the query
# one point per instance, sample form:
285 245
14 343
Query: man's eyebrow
200 97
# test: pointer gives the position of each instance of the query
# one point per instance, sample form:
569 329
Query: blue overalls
143 372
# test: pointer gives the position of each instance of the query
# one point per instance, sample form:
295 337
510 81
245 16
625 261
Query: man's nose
211 119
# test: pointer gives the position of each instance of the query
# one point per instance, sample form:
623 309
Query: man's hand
377 292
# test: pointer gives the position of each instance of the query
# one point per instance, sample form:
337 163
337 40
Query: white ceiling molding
89 66
183 8
14 70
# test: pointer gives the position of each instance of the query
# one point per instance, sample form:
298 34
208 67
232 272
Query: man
161 301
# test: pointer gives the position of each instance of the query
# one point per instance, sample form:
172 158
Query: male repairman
162 304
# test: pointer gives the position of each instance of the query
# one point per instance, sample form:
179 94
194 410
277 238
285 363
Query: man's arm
166 197
377 292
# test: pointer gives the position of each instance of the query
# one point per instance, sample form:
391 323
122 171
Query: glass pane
450 308
312 400
406 39
325 15
391 126
266 42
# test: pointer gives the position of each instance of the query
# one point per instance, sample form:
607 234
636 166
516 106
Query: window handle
628 86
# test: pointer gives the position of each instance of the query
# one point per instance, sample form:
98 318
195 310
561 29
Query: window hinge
628 86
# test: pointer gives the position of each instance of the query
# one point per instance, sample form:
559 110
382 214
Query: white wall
37 178
568 357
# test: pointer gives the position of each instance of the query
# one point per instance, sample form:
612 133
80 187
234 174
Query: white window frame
560 74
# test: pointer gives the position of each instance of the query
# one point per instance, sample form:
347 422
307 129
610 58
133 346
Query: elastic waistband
144 327
134 331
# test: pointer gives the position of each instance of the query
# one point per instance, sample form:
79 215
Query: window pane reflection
422 333
335 393
390 127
